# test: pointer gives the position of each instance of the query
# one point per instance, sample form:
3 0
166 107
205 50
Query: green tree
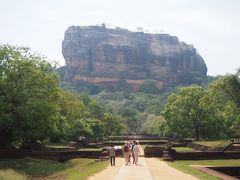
97 128
129 116
81 128
71 108
184 117
91 128
92 107
29 94
153 125
223 99
149 86
113 124
229 85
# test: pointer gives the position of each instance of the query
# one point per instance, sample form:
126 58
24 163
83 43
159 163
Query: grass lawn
183 166
79 168
82 168
210 143
10 174
183 149
59 145
91 149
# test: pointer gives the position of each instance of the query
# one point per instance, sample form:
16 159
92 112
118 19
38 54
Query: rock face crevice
96 54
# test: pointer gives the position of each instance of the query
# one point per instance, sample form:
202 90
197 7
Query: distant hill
118 58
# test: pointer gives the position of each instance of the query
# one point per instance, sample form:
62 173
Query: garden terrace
60 156
204 155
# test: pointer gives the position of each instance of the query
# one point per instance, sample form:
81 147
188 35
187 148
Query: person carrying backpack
126 152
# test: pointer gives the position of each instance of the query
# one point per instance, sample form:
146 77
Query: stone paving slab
147 169
132 172
110 172
161 170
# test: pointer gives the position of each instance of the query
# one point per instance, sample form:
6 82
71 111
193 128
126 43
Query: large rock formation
98 55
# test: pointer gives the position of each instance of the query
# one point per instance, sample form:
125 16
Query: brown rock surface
104 56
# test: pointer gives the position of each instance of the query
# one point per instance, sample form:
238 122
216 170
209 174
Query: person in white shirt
136 151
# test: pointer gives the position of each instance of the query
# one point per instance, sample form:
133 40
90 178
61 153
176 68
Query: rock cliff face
95 54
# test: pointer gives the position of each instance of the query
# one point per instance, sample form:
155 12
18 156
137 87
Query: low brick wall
204 155
231 171
108 144
132 136
153 151
199 147
234 148
141 143
118 152
94 145
153 143
60 156
62 149
180 143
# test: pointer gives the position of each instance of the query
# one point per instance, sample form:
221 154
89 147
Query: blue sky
212 26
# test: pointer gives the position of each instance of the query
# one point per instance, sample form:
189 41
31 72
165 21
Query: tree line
33 106
207 113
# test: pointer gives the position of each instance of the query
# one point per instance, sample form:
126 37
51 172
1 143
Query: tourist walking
112 155
136 151
126 152
132 146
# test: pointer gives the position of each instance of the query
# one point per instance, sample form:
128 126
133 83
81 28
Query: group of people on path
129 149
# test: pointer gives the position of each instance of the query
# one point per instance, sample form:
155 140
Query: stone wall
199 147
153 151
60 156
204 155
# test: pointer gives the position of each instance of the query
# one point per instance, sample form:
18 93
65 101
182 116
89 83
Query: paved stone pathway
147 169
161 170
110 172
132 172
